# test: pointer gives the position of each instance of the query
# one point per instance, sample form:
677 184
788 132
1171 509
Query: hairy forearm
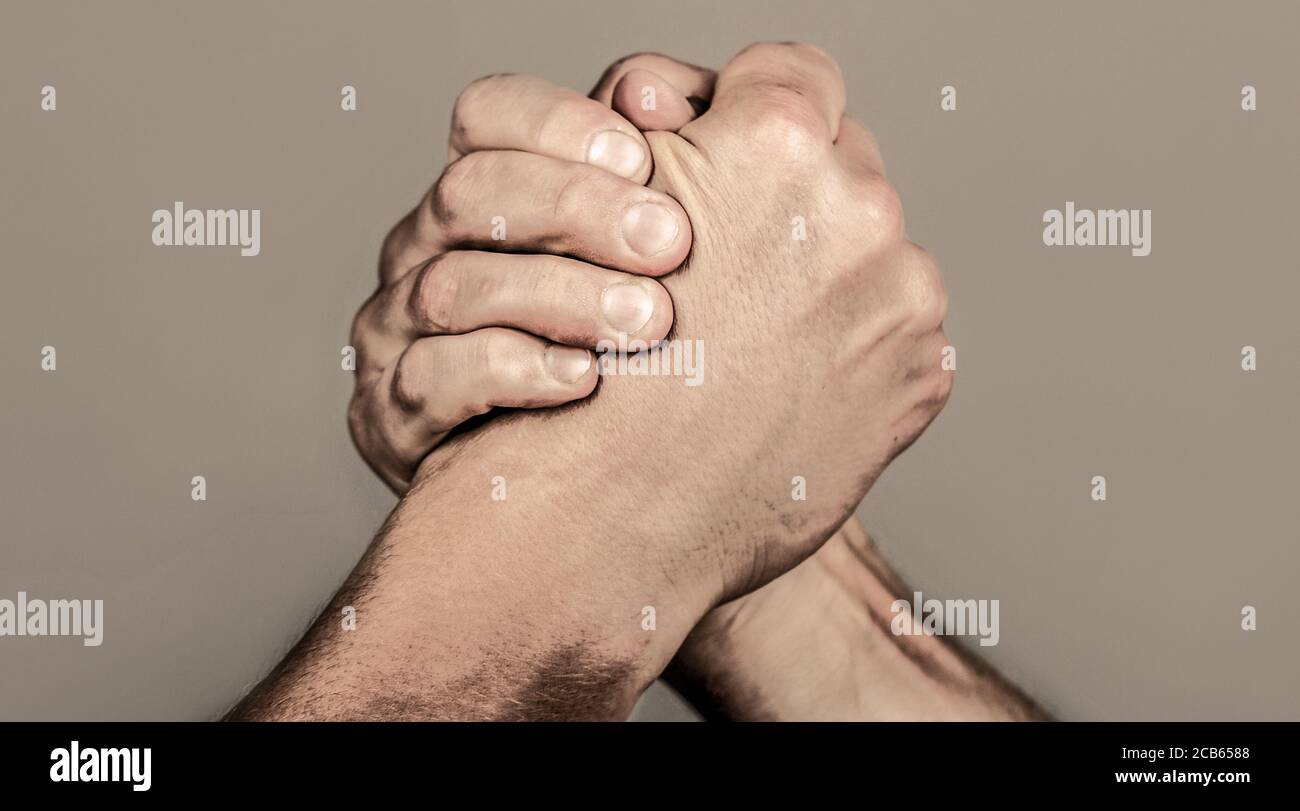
529 607
816 644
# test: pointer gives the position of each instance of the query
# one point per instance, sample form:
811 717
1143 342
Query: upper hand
823 353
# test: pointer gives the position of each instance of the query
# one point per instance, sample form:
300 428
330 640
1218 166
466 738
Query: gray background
1073 362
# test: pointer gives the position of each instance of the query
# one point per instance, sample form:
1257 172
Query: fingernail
627 307
616 151
567 363
649 228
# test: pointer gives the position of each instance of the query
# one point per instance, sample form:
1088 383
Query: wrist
817 644
556 543
788 651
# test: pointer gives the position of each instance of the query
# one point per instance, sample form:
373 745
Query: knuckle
572 194
932 398
432 301
356 419
941 385
784 124
410 384
498 355
467 101
363 323
412 240
370 431
391 247
503 370
566 115
551 283
877 203
453 186
928 299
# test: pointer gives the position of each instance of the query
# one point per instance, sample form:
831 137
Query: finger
656 92
692 82
519 202
651 102
800 80
857 148
440 382
561 299
532 115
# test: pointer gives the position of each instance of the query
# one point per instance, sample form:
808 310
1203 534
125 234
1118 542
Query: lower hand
534 245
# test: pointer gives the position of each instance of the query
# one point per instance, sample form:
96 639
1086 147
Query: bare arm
816 644
470 608
651 494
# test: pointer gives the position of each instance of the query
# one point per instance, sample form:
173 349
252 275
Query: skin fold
823 359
